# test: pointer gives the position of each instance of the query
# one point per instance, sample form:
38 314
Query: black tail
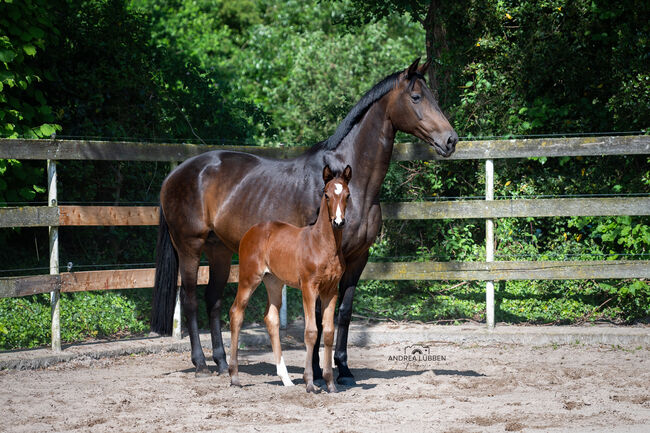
165 285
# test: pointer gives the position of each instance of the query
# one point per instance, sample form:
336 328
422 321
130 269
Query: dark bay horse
309 258
209 201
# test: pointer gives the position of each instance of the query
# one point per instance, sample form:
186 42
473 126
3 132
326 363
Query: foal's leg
247 285
309 294
219 257
188 267
272 321
329 305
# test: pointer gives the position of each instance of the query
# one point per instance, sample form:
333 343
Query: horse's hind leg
188 260
315 364
219 258
272 321
347 286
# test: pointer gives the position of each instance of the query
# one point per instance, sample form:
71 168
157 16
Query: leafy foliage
25 29
127 86
25 322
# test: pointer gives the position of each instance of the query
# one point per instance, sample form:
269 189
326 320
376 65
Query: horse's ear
347 174
413 68
422 70
327 174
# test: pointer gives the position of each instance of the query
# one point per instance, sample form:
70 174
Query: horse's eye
416 97
327 197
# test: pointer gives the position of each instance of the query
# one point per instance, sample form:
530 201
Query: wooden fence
53 216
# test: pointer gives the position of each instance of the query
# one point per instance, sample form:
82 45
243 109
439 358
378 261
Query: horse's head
336 194
414 110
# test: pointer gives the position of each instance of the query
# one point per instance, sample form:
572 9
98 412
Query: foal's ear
422 70
347 174
327 174
413 69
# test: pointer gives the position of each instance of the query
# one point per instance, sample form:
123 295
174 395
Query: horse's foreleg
309 295
329 305
188 267
272 321
244 292
219 258
347 286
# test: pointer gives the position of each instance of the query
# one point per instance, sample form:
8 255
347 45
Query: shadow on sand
361 374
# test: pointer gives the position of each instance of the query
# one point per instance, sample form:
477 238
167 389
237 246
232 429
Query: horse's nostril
452 140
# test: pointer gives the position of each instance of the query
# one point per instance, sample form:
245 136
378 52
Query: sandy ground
458 388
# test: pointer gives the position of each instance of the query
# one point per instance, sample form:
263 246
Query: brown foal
308 258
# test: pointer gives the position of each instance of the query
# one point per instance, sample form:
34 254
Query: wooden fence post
489 244
55 295
177 332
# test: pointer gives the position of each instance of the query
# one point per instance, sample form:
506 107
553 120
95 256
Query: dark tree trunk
436 42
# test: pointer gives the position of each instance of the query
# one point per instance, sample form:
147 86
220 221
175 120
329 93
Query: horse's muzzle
338 225
444 144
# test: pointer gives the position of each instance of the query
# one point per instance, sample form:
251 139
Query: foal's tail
165 285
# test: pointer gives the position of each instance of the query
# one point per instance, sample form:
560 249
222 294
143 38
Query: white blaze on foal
338 189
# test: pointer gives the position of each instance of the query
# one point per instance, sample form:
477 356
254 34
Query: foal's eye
416 97
327 197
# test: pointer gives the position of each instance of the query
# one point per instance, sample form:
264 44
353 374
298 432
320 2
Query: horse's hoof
235 382
202 370
346 380
332 389
222 368
311 388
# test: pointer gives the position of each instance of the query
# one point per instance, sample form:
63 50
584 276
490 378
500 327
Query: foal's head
336 194
413 109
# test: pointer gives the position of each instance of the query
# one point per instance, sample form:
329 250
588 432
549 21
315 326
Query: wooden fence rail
483 149
393 271
54 216
43 216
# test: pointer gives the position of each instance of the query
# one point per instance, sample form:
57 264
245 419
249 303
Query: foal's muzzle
338 225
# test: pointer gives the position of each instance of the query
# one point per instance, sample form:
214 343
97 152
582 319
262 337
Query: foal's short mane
355 114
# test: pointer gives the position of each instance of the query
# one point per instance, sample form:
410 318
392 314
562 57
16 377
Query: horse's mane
355 114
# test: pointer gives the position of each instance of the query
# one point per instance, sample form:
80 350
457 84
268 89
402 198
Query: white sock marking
283 373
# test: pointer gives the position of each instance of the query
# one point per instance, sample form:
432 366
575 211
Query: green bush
539 302
25 322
